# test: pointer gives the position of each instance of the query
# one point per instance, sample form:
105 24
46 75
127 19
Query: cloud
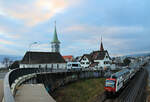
41 47
6 42
5 50
118 40
106 30
7 33
34 11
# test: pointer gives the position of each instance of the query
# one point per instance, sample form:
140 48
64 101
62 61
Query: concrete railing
15 78
19 81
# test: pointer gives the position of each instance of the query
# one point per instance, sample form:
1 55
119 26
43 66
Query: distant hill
11 57
138 55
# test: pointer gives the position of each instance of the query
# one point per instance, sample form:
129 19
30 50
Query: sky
123 24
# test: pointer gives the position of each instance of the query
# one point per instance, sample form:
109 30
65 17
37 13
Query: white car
73 66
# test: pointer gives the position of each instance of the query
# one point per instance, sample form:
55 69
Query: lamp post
30 45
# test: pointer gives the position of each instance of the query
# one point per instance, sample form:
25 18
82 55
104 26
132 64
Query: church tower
55 44
101 47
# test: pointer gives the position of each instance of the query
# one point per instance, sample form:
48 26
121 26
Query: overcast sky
123 24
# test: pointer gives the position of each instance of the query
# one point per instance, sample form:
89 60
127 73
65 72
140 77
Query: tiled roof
88 56
68 57
99 55
42 57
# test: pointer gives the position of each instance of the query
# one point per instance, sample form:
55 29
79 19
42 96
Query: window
87 63
106 62
75 65
82 62
110 83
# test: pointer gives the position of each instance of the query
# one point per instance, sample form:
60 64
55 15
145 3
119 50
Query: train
117 81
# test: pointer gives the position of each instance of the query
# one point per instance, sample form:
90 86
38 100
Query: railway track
133 91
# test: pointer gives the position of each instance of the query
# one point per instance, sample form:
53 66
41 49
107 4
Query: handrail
8 96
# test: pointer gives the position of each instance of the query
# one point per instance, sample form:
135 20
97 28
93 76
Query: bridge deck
32 93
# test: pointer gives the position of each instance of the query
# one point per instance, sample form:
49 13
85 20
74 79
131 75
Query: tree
7 62
15 65
126 61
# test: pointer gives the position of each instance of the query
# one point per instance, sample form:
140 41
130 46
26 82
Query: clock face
55 47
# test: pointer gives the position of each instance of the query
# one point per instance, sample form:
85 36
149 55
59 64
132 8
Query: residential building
85 60
99 59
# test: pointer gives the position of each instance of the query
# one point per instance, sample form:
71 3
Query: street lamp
30 45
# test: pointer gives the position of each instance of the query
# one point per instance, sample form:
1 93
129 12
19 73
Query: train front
110 85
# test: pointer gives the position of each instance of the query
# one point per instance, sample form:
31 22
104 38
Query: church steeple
101 47
55 44
55 37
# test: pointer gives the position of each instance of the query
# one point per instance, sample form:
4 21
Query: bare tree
7 62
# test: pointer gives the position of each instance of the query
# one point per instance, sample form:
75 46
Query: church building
53 59
97 59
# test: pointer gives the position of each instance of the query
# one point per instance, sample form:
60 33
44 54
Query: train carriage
117 81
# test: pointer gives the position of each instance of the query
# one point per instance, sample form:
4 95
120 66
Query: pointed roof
101 47
55 37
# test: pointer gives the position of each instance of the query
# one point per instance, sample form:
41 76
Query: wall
54 65
53 81
85 65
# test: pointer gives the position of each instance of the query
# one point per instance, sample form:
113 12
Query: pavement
1 90
32 93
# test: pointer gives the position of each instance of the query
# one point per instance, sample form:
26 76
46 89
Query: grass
80 91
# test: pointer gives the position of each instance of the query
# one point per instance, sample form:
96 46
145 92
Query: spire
55 38
101 47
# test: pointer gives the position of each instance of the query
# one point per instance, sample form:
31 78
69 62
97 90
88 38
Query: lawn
80 91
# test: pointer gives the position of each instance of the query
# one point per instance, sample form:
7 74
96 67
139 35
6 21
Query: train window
113 76
110 83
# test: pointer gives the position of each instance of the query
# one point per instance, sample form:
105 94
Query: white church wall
54 66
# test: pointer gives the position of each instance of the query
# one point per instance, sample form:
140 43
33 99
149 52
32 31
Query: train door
119 84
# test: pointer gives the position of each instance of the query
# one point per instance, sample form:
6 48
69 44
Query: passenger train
119 80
